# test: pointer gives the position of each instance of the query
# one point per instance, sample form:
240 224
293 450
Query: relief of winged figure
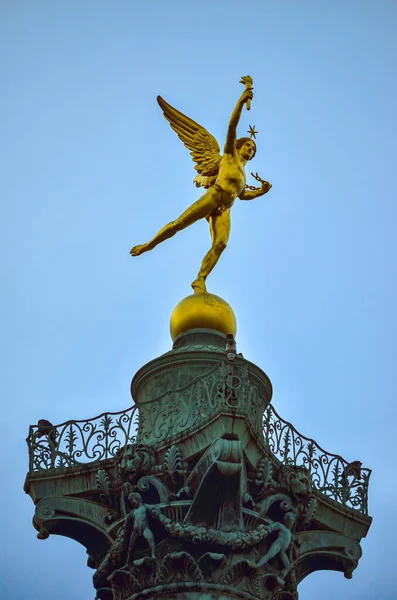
223 177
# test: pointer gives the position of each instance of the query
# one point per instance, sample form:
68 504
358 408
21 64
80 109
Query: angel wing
203 147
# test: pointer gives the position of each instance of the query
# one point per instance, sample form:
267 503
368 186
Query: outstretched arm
230 145
248 194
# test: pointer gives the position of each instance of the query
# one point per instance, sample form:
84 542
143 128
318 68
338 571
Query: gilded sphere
202 311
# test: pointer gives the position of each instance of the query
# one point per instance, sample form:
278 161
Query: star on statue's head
252 131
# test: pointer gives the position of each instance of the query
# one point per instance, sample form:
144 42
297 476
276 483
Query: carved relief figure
282 541
138 518
222 176
135 525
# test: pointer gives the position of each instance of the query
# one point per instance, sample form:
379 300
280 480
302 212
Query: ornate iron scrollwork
79 442
344 482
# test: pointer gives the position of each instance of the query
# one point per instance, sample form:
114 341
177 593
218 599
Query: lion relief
134 460
298 482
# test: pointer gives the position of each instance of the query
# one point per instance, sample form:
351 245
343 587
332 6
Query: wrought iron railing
89 441
79 442
344 482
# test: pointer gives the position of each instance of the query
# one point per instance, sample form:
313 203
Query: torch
247 81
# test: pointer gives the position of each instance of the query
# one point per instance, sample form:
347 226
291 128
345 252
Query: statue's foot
198 286
137 250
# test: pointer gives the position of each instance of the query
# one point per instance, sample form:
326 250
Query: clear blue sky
89 167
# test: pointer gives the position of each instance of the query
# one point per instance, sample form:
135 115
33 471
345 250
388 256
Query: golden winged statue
222 176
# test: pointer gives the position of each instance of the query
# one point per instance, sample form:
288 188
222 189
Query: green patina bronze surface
200 489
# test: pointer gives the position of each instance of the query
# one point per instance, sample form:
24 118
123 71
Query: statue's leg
150 540
220 231
131 546
203 207
274 549
286 562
